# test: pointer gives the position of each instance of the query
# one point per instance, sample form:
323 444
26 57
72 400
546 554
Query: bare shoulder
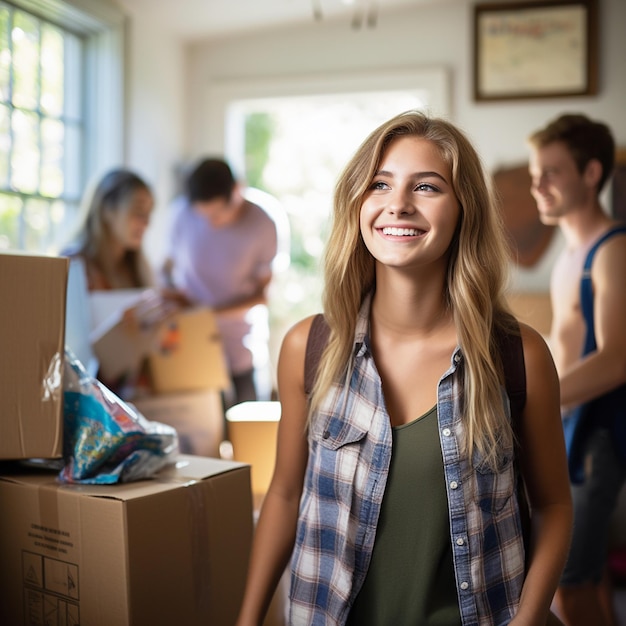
540 368
534 343
611 256
296 337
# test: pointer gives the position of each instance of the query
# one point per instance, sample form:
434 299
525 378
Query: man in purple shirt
220 253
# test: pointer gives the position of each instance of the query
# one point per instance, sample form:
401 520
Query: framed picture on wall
535 49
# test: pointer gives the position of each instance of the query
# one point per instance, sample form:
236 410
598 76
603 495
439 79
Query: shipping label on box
32 344
171 550
51 591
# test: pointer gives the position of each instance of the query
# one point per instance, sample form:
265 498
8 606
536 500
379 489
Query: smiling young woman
394 489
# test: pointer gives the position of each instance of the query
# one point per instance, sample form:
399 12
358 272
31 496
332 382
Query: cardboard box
172 550
189 355
32 342
197 416
252 430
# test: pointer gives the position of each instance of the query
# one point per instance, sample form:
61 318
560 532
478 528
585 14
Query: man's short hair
211 179
585 139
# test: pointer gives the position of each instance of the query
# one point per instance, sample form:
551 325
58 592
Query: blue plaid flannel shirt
349 457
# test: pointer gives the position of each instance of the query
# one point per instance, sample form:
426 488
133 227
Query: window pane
73 72
51 71
10 209
51 158
25 37
36 225
72 161
41 130
25 157
5 145
63 220
5 54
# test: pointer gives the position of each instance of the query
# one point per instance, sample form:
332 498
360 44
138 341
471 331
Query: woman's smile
400 232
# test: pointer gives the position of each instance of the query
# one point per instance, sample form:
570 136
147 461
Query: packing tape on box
199 533
198 524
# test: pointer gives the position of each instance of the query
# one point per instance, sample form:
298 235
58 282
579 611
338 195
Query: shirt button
326 434
454 484
446 432
460 541
464 585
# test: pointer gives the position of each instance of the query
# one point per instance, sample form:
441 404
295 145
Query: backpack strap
511 352
316 342
586 289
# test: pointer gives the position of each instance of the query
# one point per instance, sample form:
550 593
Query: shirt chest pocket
494 488
335 435
338 455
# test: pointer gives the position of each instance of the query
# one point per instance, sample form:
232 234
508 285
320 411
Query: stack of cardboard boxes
174 357
170 550
188 372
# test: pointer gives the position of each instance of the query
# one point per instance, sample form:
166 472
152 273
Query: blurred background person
571 159
106 256
116 210
220 253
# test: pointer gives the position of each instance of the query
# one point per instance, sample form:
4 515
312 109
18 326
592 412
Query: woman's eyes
426 187
381 185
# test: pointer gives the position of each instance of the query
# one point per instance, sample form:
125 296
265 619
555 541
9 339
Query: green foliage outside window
259 128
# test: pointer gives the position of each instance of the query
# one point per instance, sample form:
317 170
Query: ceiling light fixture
365 12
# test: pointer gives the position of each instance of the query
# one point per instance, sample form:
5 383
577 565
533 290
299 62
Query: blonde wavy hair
477 274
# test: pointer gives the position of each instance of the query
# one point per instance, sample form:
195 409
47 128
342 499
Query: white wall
155 104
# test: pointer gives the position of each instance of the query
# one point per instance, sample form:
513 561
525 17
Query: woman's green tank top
410 581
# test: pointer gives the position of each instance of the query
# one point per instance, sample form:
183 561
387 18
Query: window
50 118
41 129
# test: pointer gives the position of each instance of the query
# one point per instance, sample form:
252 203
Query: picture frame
535 49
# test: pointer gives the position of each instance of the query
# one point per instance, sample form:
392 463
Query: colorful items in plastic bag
106 440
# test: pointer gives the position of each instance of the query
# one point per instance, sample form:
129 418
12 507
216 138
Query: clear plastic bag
105 439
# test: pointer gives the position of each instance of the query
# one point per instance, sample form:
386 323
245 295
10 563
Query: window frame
102 28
